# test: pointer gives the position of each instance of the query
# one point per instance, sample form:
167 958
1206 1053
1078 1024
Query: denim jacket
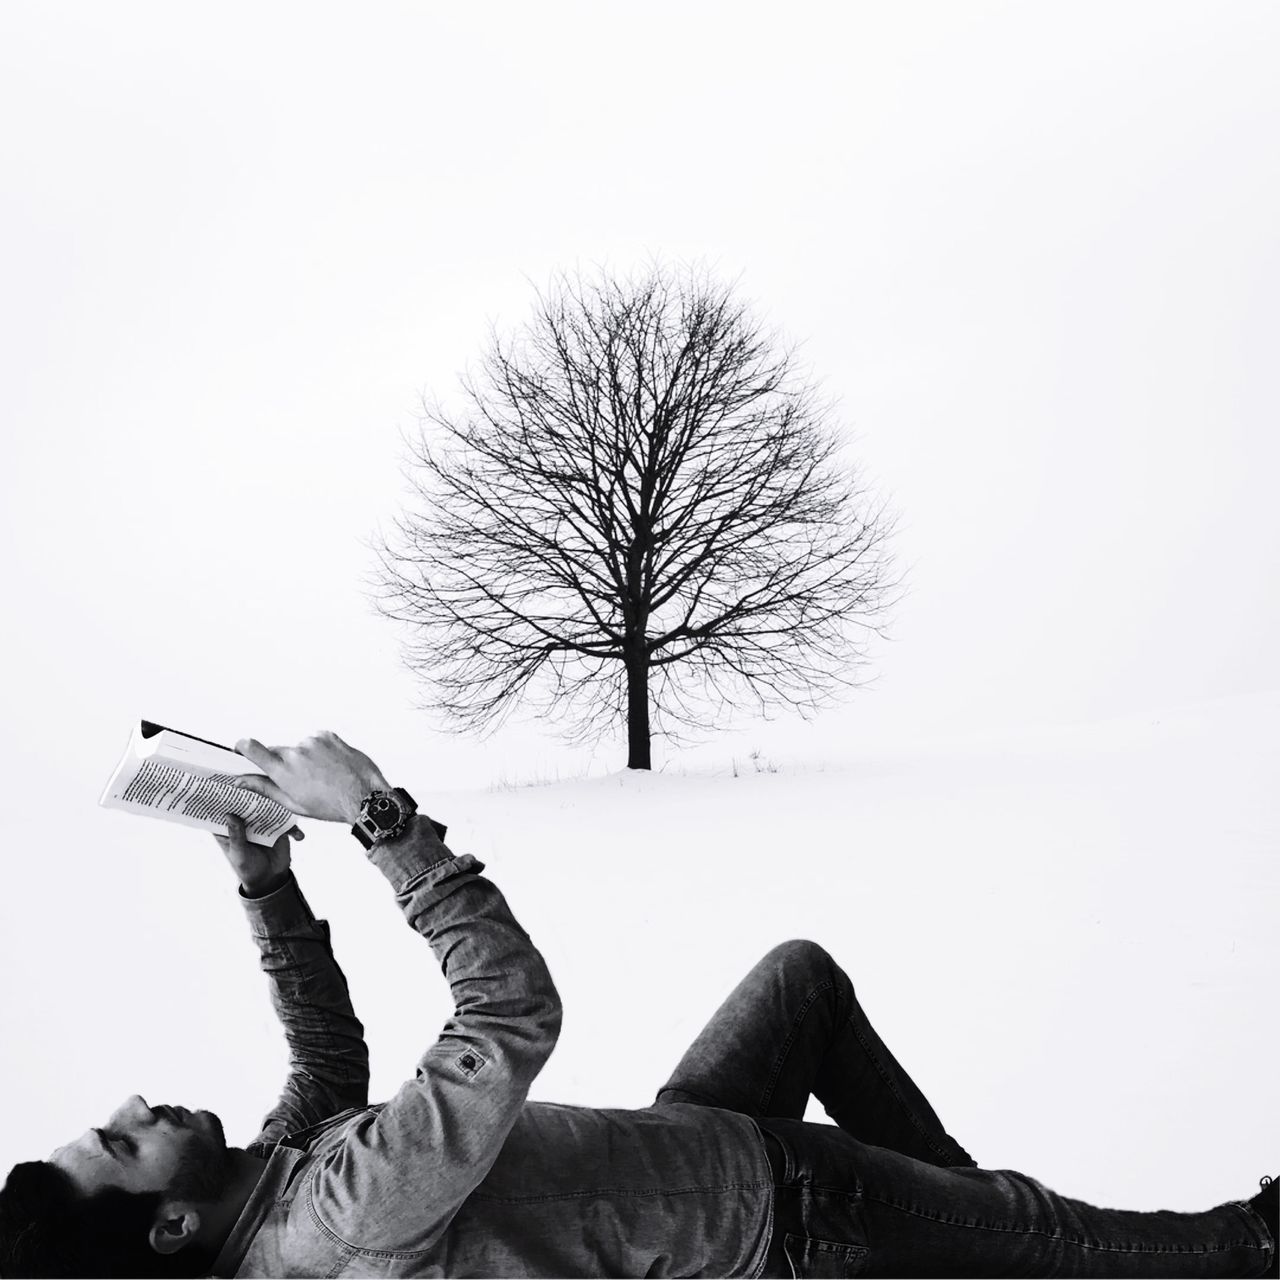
459 1174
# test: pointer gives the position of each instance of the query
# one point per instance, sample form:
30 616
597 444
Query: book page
206 800
196 754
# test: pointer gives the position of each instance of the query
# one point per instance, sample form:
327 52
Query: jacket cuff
278 911
417 851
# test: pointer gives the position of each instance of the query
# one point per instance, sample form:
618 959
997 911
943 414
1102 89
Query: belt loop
777 1154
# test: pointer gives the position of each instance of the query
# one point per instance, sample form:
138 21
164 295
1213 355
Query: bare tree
642 512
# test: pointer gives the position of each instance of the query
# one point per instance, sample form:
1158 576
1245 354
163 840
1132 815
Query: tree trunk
638 714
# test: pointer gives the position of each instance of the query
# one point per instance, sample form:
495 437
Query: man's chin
214 1127
205 1168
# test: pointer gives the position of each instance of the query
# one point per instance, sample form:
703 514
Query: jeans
889 1192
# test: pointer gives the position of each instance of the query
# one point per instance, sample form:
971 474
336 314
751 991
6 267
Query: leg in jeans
845 1208
793 1027
894 1194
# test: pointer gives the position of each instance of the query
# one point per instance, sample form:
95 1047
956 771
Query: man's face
141 1148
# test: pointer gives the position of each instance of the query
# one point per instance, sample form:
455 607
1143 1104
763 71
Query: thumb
234 841
263 787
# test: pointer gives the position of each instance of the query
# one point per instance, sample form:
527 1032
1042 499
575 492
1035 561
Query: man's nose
133 1108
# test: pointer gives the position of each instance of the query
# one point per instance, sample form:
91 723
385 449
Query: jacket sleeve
328 1059
400 1174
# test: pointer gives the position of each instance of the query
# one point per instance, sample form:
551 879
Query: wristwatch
384 816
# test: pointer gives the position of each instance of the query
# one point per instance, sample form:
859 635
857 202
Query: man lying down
459 1175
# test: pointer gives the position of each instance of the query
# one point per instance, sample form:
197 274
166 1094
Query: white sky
1032 248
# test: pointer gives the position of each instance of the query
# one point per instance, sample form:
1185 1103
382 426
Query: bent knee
800 954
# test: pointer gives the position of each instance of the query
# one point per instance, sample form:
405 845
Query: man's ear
176 1224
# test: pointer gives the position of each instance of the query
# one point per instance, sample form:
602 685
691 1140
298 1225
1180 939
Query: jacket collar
281 1165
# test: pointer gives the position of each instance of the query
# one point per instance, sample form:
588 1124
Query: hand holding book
182 778
322 777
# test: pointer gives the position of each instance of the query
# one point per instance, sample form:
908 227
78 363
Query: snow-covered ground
1069 937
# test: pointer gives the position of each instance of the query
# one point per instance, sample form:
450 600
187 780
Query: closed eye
119 1142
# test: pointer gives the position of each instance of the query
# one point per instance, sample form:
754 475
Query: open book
181 778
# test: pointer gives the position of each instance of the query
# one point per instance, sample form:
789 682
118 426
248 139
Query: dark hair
48 1229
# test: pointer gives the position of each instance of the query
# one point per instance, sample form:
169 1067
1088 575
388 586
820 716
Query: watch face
384 813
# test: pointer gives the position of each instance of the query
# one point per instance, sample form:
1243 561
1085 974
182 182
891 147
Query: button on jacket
459 1174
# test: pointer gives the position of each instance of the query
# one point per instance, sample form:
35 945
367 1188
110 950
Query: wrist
265 887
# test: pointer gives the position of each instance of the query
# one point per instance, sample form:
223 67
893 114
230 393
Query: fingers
264 757
296 833
263 787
